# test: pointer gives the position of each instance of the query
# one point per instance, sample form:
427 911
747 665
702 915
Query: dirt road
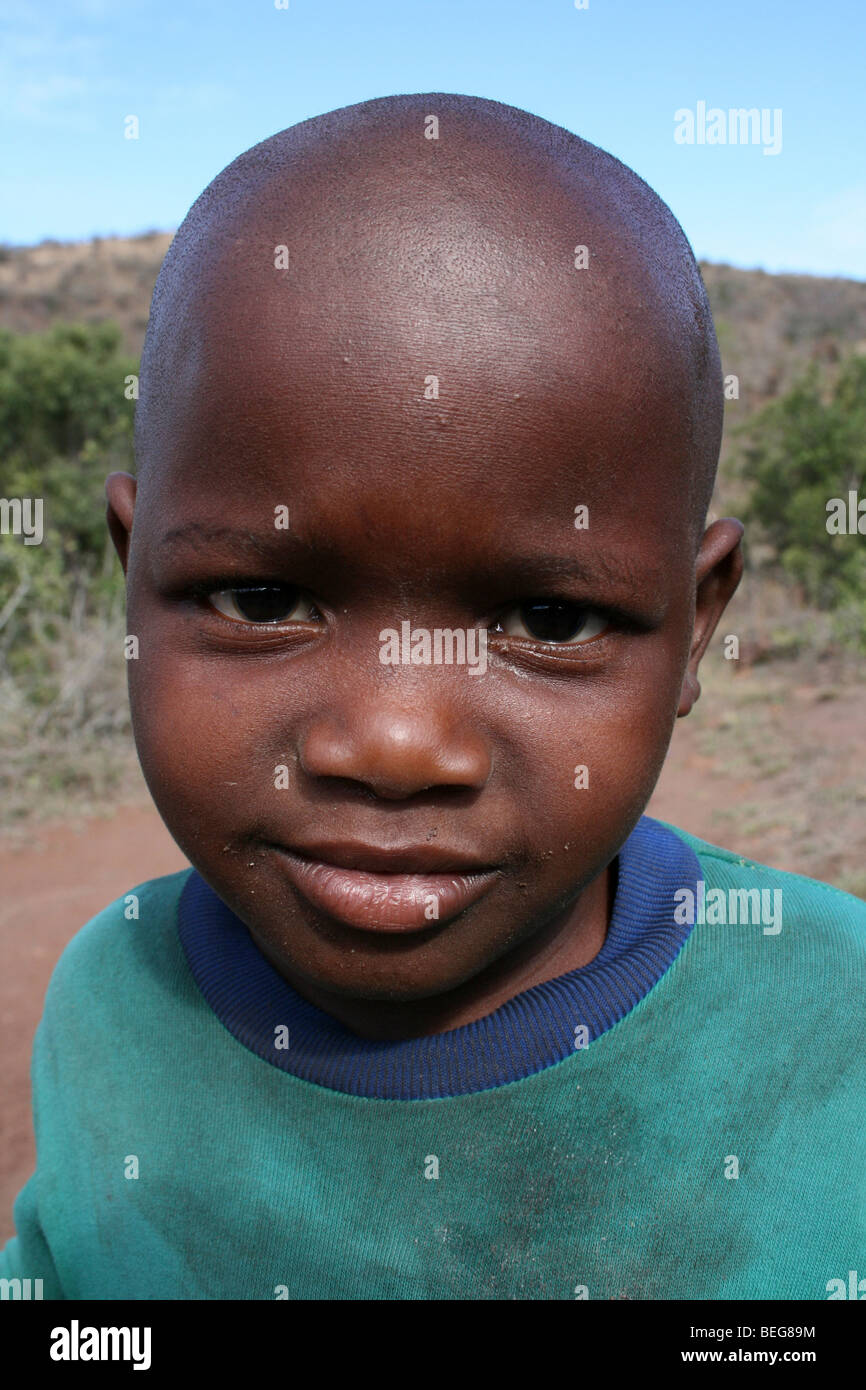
50 888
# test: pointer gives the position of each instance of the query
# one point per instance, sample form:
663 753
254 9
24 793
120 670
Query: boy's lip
386 890
391 859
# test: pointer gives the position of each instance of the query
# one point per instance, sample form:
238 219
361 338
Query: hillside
769 326
82 281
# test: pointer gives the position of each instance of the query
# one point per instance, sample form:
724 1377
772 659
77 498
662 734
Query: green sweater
708 1142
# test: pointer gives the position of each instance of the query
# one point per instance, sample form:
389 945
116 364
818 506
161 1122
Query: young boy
417 568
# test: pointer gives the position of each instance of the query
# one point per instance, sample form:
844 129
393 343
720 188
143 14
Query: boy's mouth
385 890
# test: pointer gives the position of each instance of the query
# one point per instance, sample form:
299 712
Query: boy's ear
718 570
120 495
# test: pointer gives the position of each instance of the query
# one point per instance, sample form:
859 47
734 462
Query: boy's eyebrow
619 573
195 531
590 567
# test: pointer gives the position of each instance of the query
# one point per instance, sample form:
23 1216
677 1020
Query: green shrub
802 450
64 424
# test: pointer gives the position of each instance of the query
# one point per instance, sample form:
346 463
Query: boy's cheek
190 741
609 742
210 743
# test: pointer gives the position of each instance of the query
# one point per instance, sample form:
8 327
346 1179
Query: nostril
395 755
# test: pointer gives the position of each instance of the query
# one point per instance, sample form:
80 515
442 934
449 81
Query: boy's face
451 512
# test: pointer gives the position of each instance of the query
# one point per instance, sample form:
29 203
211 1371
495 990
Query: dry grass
73 753
769 763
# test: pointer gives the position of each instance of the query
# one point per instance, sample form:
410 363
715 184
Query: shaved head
379 231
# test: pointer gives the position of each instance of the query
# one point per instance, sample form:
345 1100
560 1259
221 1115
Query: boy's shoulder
805 901
121 982
134 936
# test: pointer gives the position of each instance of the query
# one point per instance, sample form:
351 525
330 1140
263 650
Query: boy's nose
394 751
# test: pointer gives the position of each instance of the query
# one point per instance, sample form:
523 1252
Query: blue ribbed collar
532 1031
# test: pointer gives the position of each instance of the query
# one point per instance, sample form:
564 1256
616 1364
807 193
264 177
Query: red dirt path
50 888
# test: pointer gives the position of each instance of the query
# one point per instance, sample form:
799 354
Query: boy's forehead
505 261
427 317
446 411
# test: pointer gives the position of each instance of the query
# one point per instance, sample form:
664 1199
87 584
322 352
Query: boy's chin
396 989
399 985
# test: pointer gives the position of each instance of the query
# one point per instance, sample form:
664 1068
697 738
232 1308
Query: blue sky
209 78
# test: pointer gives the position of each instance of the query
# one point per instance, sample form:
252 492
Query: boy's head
390 332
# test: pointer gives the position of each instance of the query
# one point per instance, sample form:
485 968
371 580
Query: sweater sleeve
80 1067
27 1255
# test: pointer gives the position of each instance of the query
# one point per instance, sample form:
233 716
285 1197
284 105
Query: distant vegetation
64 424
804 450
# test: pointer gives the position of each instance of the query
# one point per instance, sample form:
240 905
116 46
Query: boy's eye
264 603
553 620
